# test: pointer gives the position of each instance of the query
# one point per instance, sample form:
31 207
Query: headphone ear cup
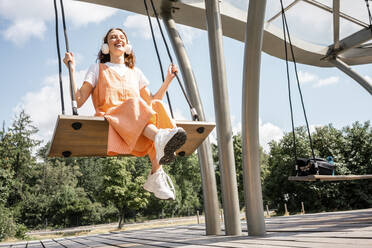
128 49
105 48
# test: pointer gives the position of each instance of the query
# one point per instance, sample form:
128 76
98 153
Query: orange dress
128 111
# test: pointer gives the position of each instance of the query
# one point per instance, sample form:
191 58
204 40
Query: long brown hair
129 59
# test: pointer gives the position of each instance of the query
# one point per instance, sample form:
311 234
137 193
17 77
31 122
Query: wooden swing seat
86 136
312 178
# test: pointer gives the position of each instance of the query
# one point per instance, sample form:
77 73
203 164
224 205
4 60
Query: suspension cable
73 99
192 109
289 91
59 58
298 81
157 54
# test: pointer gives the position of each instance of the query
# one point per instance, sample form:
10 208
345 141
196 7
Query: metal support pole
230 198
353 74
250 119
302 208
336 24
211 206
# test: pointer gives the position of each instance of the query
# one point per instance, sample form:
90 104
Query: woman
138 122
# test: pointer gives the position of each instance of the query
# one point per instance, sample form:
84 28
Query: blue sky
29 66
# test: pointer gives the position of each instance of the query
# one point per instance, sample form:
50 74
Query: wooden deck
337 229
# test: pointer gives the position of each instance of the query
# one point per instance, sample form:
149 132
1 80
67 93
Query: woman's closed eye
115 37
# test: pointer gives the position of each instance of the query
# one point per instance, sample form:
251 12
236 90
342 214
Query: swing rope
289 93
192 109
73 99
59 58
286 30
157 53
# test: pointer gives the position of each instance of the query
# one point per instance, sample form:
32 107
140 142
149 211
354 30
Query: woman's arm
84 92
172 71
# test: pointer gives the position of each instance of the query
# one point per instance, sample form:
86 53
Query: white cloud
303 16
25 9
306 77
22 30
368 78
188 34
327 81
268 133
84 13
178 114
314 127
213 137
28 18
140 26
237 128
44 105
315 81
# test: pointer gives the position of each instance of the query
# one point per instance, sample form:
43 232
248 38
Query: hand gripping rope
73 99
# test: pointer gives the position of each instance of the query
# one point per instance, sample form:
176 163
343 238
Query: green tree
185 172
17 148
238 153
7 224
123 187
6 173
350 148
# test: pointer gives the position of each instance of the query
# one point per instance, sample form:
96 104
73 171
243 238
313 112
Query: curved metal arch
234 23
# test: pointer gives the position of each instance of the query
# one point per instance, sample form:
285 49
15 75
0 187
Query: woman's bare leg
155 165
150 131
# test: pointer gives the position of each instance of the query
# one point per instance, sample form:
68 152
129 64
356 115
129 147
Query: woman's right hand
69 57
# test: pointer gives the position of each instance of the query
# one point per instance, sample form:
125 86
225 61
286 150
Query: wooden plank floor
337 229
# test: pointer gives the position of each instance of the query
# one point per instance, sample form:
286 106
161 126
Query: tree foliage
351 149
39 192
122 188
238 152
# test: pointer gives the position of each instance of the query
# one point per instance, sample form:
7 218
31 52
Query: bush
21 231
8 227
7 224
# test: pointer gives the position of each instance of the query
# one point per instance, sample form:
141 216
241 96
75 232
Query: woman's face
116 41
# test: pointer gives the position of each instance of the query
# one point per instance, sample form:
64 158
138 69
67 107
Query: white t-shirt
134 76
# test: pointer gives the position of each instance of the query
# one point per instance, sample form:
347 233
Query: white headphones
127 48
105 48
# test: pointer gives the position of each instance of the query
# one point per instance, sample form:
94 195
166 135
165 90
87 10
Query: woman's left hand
172 71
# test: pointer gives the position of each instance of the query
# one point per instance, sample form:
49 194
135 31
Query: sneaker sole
173 145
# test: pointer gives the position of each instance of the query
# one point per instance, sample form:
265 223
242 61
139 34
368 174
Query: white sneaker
167 141
157 183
